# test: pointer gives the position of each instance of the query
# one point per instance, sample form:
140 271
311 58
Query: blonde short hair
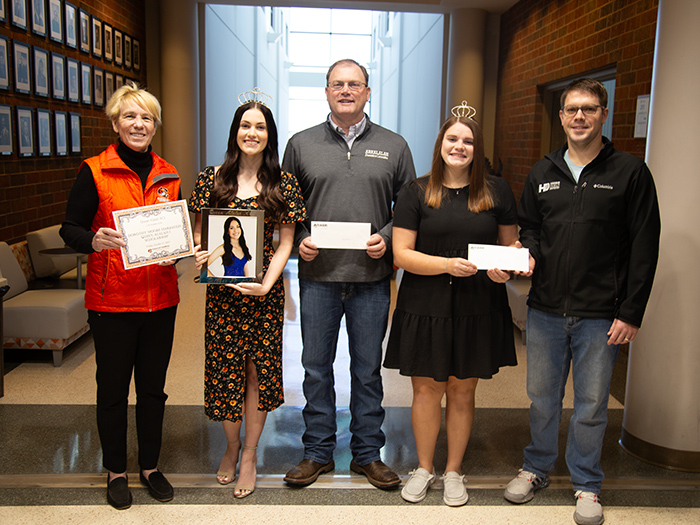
131 92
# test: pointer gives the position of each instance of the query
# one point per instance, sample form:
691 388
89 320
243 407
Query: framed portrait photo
60 126
85 83
234 239
118 81
58 76
118 47
3 11
136 59
73 84
84 22
127 52
41 72
75 138
19 13
71 27
43 126
99 78
56 20
108 42
4 63
38 17
5 130
25 132
96 37
23 83
109 85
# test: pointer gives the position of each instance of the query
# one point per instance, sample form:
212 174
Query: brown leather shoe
378 474
306 472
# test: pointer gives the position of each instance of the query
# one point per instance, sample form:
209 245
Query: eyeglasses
353 85
588 110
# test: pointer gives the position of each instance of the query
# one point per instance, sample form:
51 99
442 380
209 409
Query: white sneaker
521 489
589 511
417 486
455 493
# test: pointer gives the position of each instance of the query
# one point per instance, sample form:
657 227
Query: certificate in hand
488 256
154 233
341 235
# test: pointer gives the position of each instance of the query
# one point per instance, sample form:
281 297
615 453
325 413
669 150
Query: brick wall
34 190
546 40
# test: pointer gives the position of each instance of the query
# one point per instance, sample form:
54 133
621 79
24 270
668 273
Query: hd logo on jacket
549 186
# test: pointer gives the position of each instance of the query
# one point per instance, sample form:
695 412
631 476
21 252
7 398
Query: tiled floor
50 460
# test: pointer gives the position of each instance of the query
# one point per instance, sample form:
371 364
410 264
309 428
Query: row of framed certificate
39 132
75 28
49 74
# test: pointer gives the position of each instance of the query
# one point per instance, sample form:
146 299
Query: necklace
457 190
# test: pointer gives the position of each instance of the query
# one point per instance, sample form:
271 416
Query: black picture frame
19 13
109 85
75 135
43 132
96 37
3 11
58 76
41 72
136 49
22 61
127 52
73 80
85 28
25 131
85 83
60 126
71 24
6 141
118 47
56 21
118 81
39 17
4 62
108 39
99 87
252 223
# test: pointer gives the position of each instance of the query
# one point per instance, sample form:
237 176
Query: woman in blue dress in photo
234 253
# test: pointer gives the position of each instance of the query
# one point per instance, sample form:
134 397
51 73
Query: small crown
464 110
255 96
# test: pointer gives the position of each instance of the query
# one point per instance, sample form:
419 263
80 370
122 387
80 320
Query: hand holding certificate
154 233
488 256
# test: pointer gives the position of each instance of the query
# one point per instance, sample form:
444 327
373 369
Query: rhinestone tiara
464 110
255 96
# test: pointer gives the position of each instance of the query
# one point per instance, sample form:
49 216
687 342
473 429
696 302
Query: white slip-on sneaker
589 511
417 486
455 492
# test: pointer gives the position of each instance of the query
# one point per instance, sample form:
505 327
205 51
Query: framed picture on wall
127 52
109 85
96 36
5 130
136 49
71 25
56 21
43 126
73 66
84 20
118 49
118 81
38 17
25 132
3 11
75 133
85 83
99 78
58 76
19 13
41 72
4 63
22 70
60 127
108 42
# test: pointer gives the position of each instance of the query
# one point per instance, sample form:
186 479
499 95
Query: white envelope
341 235
488 256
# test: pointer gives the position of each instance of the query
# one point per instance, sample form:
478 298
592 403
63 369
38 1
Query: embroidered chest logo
549 186
163 195
376 154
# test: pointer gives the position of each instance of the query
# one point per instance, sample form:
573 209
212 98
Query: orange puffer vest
109 287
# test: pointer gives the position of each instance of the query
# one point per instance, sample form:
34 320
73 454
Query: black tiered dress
451 326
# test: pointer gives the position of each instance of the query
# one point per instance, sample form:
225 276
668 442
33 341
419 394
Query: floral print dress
238 325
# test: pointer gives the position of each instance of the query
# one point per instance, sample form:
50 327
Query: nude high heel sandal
242 491
224 477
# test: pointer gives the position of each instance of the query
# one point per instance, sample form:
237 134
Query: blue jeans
366 310
553 343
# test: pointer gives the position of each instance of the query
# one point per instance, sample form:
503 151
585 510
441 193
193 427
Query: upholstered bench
518 289
47 319
50 266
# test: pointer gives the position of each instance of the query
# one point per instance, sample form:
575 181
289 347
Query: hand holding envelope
510 258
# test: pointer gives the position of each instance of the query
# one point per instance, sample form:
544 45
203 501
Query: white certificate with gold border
489 256
154 233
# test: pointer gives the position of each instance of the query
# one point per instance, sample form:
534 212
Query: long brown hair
269 175
480 193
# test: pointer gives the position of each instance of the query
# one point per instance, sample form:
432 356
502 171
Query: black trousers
138 342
